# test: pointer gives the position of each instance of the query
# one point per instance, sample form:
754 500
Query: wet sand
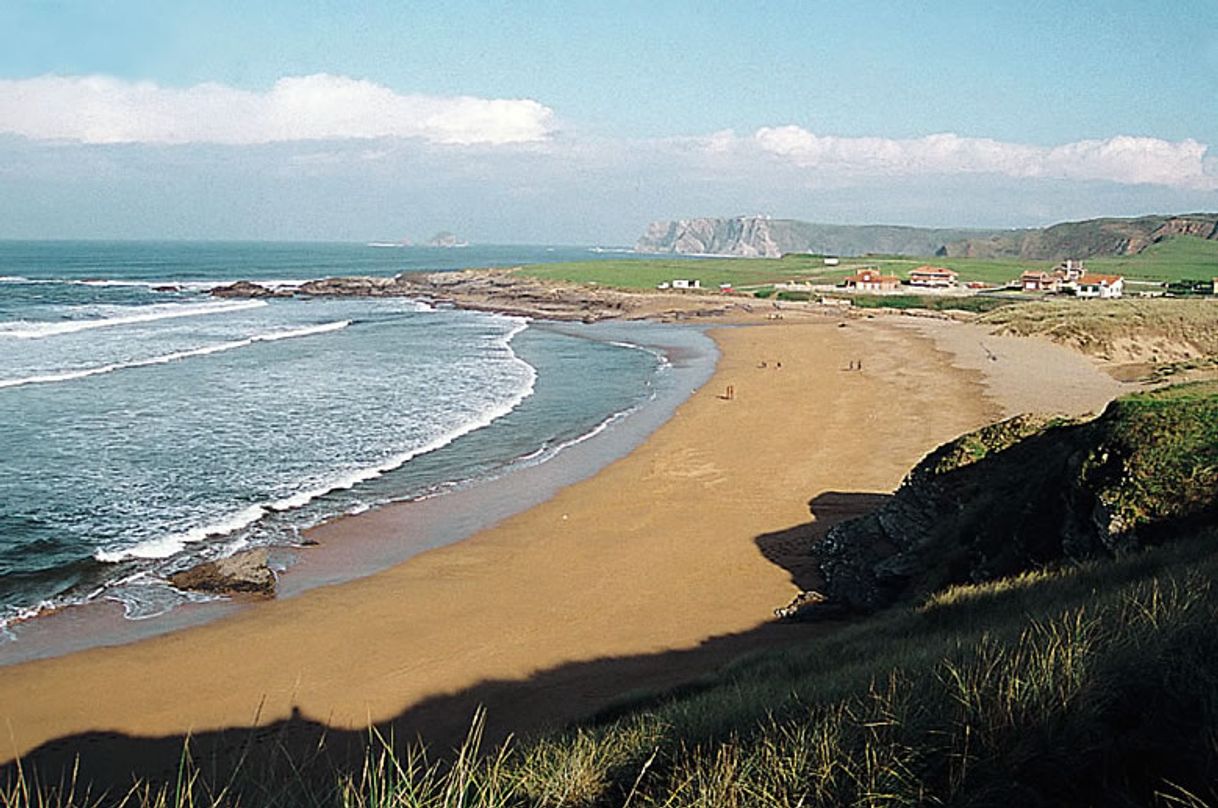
700 532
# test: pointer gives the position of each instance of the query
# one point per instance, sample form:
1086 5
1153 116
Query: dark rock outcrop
244 573
504 292
1026 493
246 289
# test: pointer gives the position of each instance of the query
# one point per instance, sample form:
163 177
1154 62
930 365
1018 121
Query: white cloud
101 109
1122 159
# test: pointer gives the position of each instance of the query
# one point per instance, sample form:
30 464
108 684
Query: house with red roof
1106 287
872 280
1035 281
933 277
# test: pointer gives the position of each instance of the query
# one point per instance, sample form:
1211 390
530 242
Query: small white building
832 261
1105 287
682 283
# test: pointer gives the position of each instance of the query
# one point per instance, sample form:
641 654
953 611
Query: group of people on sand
730 393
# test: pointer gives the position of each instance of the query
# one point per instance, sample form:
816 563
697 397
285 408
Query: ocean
146 426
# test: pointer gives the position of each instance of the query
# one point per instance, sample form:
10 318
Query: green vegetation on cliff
1025 493
765 237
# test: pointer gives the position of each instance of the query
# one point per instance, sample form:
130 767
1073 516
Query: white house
1106 287
682 283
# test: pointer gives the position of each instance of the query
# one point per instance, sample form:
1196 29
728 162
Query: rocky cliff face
749 237
759 236
1027 492
1087 239
1205 228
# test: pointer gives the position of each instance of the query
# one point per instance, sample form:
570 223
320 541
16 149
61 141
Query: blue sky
595 117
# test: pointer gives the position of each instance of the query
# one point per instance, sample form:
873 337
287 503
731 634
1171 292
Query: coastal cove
699 533
441 514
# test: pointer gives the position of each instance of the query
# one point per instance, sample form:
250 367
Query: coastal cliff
751 237
763 237
760 236
1087 239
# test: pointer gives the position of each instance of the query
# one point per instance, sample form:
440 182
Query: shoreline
326 556
697 534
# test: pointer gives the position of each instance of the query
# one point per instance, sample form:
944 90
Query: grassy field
1180 258
647 273
1175 259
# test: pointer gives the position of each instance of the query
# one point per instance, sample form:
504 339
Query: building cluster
1071 277
681 283
926 277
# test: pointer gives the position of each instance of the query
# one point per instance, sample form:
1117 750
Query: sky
580 122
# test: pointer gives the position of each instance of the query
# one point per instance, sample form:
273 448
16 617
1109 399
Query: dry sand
699 533
1021 374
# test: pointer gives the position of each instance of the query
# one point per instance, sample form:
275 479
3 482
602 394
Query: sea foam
166 546
273 336
24 329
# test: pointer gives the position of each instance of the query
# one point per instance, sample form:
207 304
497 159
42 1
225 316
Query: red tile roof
872 276
1096 280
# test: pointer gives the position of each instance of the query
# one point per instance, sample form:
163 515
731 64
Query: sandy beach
667 561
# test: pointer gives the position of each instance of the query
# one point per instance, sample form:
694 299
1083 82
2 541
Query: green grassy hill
762 236
1093 238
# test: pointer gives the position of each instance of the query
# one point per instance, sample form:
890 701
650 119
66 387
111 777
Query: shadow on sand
305 751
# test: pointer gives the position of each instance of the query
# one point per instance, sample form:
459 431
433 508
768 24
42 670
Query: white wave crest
167 546
486 418
105 283
142 314
274 336
661 358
